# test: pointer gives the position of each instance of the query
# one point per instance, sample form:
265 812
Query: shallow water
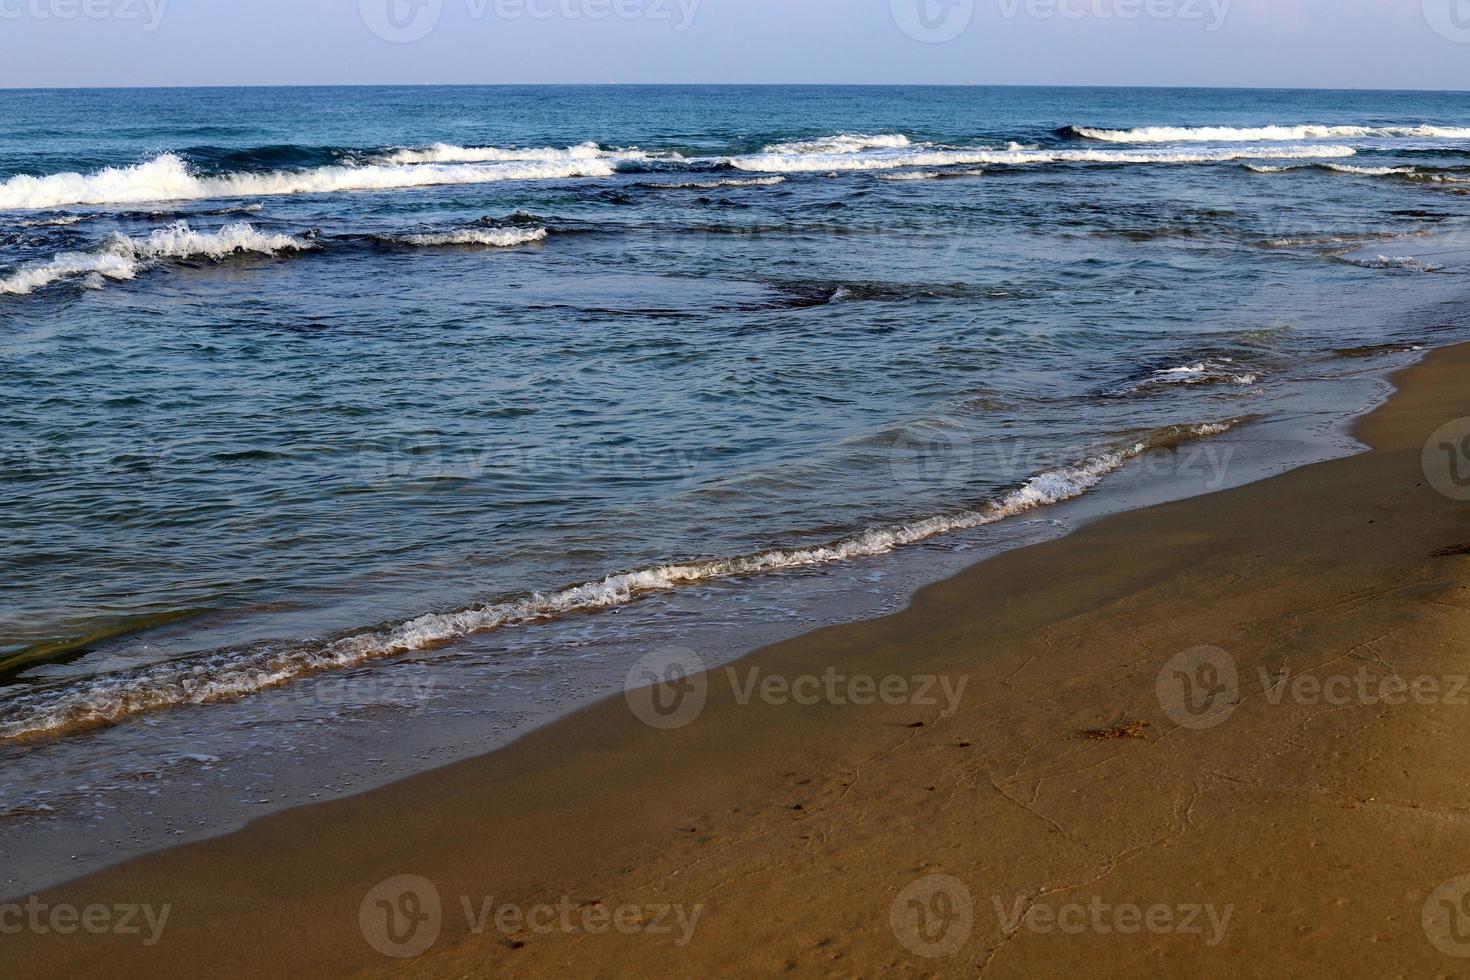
313 387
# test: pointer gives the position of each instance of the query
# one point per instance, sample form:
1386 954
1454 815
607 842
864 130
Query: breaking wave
231 674
496 237
1222 370
121 258
816 163
710 185
931 174
168 178
1338 168
450 153
841 143
1402 263
1228 134
1329 239
61 221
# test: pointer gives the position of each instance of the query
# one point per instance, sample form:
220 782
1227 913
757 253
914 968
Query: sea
347 432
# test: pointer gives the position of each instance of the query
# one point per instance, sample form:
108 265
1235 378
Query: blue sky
1313 43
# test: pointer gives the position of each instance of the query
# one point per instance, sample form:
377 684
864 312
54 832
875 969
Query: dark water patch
1376 350
805 294
16 659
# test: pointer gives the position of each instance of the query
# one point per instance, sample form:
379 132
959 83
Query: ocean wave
1342 168
816 163
1204 372
496 237
231 674
1401 263
931 174
841 143
1229 134
450 153
61 221
1336 168
168 178
1405 173
1329 239
121 258
1222 370
710 185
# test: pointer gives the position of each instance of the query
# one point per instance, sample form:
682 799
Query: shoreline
795 830
821 596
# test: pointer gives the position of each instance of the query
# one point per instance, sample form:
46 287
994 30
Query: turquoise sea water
310 380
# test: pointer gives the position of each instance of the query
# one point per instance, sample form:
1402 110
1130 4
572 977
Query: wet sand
1219 737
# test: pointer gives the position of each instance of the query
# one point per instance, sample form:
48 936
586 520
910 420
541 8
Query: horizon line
957 85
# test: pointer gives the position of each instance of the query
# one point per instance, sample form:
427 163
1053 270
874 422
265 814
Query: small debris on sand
1134 729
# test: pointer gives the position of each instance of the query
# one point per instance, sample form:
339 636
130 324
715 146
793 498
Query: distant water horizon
380 86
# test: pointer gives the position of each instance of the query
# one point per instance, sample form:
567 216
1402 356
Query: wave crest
841 143
451 153
168 178
1230 134
121 258
818 163
495 237
1398 263
711 185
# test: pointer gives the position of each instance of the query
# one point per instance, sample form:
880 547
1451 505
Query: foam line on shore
230 674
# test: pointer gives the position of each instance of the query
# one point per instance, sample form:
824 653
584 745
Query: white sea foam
930 174
1328 239
59 222
121 258
841 143
103 265
1310 241
1211 371
450 153
228 675
1229 134
167 178
1407 263
911 175
710 185
1206 371
1343 168
797 163
497 237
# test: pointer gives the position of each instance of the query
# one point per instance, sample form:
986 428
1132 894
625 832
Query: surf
168 178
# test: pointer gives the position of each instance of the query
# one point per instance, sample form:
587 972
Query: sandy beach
1218 737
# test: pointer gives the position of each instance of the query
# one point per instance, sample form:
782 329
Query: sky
1421 44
